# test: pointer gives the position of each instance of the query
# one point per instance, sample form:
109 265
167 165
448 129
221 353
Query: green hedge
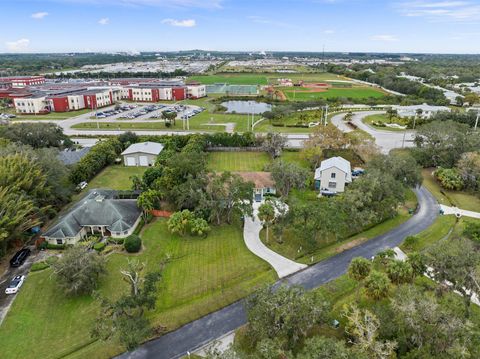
99 246
55 246
112 240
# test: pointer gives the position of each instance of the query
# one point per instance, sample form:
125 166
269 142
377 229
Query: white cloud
39 15
459 11
104 21
385 38
180 23
328 32
18 46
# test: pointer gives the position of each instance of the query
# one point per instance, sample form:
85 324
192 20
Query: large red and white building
64 98
23 81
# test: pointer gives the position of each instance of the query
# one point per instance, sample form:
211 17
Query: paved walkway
459 212
251 235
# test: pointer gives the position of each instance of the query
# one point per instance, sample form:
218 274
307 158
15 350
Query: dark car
19 257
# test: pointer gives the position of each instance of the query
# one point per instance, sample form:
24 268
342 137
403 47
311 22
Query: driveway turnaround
251 235
386 140
459 212
196 334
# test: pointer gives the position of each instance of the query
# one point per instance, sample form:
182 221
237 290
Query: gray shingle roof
72 157
97 208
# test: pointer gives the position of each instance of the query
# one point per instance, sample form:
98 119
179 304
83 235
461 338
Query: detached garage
142 154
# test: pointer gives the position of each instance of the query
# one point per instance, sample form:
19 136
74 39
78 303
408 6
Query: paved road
251 235
386 140
204 330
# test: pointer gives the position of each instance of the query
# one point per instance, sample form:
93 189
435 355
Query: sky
403 26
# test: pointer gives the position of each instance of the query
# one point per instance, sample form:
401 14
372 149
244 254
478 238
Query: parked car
19 257
15 284
82 185
327 193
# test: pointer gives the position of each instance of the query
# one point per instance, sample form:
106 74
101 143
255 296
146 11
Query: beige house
333 174
264 184
142 154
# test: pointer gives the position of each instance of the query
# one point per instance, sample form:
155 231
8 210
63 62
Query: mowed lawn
460 199
50 116
116 177
203 275
237 161
356 92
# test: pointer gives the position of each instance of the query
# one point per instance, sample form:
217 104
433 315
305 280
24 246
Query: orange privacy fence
159 213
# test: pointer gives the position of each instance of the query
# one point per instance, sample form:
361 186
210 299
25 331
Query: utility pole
403 141
476 121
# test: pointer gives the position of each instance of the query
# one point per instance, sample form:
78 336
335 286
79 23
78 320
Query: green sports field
356 93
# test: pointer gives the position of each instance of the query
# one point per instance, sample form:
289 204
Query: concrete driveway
251 235
7 300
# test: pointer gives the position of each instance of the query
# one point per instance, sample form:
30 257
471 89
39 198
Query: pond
246 107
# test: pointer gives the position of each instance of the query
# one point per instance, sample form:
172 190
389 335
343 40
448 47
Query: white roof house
152 148
333 174
142 154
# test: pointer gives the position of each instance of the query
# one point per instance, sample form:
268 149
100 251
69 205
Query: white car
82 185
15 284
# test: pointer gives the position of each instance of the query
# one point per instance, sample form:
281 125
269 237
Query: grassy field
382 118
261 78
292 246
460 199
237 161
356 93
50 116
116 177
204 121
202 276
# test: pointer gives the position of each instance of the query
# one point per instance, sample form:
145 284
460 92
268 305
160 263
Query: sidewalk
459 212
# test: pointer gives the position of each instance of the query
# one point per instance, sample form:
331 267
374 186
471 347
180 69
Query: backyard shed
142 154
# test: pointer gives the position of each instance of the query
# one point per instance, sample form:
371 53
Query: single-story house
333 174
99 212
70 157
142 154
264 184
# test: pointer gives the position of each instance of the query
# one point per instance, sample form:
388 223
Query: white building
333 174
427 110
196 91
142 154
31 105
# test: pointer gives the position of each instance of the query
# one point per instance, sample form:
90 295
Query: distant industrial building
21 81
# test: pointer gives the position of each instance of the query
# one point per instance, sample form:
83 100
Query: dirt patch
351 244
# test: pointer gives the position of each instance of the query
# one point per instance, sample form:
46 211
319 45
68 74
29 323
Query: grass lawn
204 121
237 161
460 199
116 177
356 92
382 118
202 276
292 246
51 116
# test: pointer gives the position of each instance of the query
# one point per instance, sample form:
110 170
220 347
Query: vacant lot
116 177
355 93
237 161
464 200
202 275
233 79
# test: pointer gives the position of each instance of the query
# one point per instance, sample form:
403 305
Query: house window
126 232
332 185
333 175
59 241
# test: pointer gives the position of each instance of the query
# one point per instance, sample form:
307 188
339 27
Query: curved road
386 140
196 334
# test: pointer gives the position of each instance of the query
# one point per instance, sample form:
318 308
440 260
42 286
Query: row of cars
17 260
143 111
116 111
7 116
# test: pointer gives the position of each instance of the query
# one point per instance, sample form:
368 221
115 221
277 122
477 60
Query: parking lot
148 112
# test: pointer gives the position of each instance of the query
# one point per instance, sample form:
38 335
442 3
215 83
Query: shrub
472 231
100 246
411 241
43 245
51 260
112 240
55 246
132 243
38 266
449 178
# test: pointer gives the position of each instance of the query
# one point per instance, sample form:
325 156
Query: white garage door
143 160
131 161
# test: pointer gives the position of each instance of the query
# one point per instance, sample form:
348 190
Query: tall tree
274 143
266 214
359 269
287 176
